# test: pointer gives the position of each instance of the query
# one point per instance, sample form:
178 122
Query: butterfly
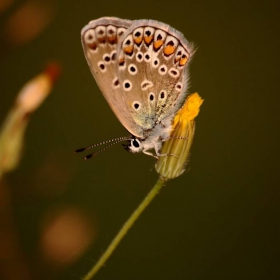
140 67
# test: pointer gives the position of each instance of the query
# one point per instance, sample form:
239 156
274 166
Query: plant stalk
123 231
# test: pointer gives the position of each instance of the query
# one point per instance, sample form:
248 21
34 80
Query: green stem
128 224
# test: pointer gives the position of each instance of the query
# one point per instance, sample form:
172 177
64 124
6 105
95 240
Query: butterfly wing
100 39
152 69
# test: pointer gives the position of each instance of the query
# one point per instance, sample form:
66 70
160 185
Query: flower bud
177 147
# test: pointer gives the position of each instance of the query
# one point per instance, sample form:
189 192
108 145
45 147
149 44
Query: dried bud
177 147
36 90
28 100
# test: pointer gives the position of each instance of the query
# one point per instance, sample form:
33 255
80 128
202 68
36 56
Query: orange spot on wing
183 61
158 44
92 46
168 50
128 49
138 40
102 39
148 39
121 61
112 39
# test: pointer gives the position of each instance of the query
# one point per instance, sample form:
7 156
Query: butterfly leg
157 148
162 155
145 151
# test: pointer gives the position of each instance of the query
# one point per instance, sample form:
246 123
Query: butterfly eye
135 143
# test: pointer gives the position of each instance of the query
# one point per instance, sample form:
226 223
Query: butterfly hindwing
152 60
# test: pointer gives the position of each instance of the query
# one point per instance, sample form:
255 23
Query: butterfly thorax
153 140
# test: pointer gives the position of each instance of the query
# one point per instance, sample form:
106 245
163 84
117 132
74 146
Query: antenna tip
88 157
80 150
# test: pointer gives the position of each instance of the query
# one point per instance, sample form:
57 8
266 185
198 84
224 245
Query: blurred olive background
219 220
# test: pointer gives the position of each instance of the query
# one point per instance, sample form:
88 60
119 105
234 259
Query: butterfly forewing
100 39
152 61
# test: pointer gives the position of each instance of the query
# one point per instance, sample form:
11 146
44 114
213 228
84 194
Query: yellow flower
177 147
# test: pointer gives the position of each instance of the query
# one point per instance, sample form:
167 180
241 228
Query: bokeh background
220 220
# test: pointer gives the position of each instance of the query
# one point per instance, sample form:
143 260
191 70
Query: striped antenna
112 143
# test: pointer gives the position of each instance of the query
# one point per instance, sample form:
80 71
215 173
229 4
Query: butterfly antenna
113 141
116 141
